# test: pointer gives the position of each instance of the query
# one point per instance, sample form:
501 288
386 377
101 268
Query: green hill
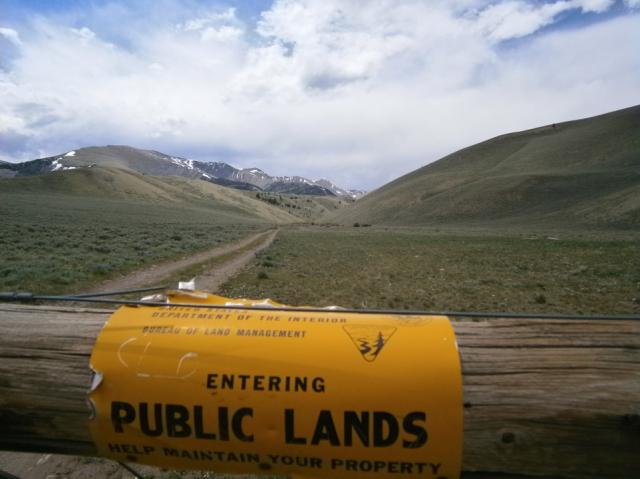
98 187
583 173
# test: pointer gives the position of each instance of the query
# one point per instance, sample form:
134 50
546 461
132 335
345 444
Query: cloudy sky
356 91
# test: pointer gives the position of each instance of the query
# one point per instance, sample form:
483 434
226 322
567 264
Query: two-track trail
232 258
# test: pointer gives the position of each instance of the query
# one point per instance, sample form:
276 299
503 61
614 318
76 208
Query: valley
71 230
545 221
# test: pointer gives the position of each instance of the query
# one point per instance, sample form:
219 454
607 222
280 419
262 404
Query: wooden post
552 398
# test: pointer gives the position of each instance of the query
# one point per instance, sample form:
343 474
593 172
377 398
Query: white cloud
518 18
84 34
216 26
597 6
322 89
11 35
211 19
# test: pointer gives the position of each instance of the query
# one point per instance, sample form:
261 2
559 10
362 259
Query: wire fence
100 298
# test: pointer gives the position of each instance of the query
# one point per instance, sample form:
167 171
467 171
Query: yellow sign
304 394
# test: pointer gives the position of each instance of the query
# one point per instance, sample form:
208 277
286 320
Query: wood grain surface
544 398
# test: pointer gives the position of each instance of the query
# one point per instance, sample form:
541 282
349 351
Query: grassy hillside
116 184
65 231
583 173
305 207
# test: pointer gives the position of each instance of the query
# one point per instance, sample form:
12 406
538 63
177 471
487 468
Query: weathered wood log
552 398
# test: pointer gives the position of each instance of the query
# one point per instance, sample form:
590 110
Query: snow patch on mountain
182 162
56 166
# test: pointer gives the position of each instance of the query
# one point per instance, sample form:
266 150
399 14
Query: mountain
149 162
5 171
583 173
102 185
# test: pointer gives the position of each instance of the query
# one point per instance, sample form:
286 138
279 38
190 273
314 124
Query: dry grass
64 244
420 269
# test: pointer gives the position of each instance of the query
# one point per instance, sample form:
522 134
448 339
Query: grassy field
422 269
59 244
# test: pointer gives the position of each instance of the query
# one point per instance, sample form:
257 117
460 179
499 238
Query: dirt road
211 280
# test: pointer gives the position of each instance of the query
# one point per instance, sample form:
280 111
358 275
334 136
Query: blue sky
320 88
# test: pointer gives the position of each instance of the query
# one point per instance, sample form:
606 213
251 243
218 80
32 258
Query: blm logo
369 339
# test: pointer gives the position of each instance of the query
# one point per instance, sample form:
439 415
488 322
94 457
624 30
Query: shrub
102 268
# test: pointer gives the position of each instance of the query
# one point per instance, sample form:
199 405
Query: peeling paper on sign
304 394
187 285
96 380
